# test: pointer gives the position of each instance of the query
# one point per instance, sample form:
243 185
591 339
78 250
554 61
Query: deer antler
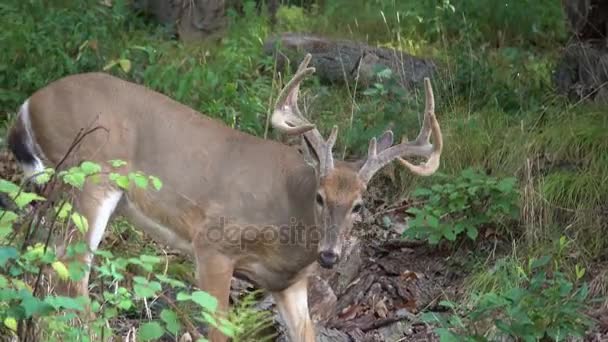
288 119
419 147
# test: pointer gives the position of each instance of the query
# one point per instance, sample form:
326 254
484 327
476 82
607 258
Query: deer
230 200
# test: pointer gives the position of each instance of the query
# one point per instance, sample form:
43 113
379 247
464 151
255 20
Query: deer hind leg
96 203
214 272
293 307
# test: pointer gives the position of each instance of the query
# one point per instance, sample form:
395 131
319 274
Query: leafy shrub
546 305
464 204
27 308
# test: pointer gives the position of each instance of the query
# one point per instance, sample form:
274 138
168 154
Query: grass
495 99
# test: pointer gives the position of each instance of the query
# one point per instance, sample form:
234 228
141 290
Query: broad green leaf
34 306
61 270
432 221
120 180
8 187
25 198
181 296
63 210
80 222
90 168
139 179
11 323
172 282
542 261
171 321
6 222
421 192
150 331
75 179
472 233
205 300
125 64
45 176
147 290
7 253
62 302
156 182
150 259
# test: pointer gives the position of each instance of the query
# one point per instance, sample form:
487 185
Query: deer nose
327 259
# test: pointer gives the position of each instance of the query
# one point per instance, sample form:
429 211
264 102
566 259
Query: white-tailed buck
238 204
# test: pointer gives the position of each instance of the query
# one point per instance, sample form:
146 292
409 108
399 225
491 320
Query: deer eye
319 200
357 208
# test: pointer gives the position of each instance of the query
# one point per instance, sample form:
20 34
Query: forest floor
392 281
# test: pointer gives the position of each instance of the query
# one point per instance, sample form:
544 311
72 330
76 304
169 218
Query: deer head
341 185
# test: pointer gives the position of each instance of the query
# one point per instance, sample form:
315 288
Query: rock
337 61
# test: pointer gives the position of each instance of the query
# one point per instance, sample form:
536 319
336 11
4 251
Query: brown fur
211 174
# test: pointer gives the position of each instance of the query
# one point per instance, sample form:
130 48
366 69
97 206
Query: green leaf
447 336
63 210
171 321
90 168
25 198
61 270
181 296
139 179
205 300
156 182
8 187
68 303
6 222
506 185
150 331
117 163
125 64
34 306
149 259
7 253
80 222
540 262
146 290
422 192
11 323
120 180
472 233
75 179
432 221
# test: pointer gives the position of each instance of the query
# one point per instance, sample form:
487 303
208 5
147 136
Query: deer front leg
96 203
293 307
214 275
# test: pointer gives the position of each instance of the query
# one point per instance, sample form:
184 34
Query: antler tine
420 147
324 149
287 116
